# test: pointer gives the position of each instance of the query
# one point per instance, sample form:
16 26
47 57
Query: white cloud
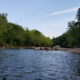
63 11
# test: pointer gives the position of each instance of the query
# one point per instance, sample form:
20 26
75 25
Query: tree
73 34
61 40
14 35
78 15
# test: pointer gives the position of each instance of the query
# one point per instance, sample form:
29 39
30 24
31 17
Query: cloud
63 11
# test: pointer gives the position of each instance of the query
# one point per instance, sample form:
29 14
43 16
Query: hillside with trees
71 38
14 35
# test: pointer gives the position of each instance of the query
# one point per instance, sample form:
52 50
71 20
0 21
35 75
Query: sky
50 17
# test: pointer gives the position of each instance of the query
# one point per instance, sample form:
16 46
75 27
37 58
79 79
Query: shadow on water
29 64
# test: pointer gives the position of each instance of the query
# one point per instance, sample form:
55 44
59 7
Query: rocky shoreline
72 50
56 48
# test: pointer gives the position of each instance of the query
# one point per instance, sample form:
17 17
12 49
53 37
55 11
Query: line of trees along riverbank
13 35
71 38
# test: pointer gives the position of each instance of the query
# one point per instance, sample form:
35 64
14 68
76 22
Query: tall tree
78 15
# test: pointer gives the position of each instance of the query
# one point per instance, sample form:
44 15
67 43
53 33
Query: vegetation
61 40
13 35
72 37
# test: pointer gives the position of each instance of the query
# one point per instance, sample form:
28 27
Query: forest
71 38
14 35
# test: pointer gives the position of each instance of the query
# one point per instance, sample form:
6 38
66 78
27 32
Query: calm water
29 64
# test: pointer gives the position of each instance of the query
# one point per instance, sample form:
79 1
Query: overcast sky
48 16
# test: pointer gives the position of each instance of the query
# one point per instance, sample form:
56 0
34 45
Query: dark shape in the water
4 78
38 79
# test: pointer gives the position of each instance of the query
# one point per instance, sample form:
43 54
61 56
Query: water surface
29 64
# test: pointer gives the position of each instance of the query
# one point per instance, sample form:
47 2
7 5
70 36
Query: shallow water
29 64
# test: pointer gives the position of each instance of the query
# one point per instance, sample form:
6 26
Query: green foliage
73 34
14 35
72 37
3 22
61 40
36 38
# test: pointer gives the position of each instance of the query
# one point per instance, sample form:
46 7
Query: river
29 64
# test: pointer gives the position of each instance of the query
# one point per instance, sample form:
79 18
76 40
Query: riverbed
29 64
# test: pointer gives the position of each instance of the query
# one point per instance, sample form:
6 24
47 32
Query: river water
29 64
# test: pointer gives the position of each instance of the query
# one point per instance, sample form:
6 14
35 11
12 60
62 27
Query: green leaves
14 35
72 37
36 38
73 34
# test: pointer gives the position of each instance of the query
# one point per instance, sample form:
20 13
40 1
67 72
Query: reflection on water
29 64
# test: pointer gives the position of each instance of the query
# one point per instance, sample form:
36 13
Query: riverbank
73 50
56 48
17 47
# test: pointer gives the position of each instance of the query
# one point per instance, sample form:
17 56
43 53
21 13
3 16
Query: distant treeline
13 35
71 38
